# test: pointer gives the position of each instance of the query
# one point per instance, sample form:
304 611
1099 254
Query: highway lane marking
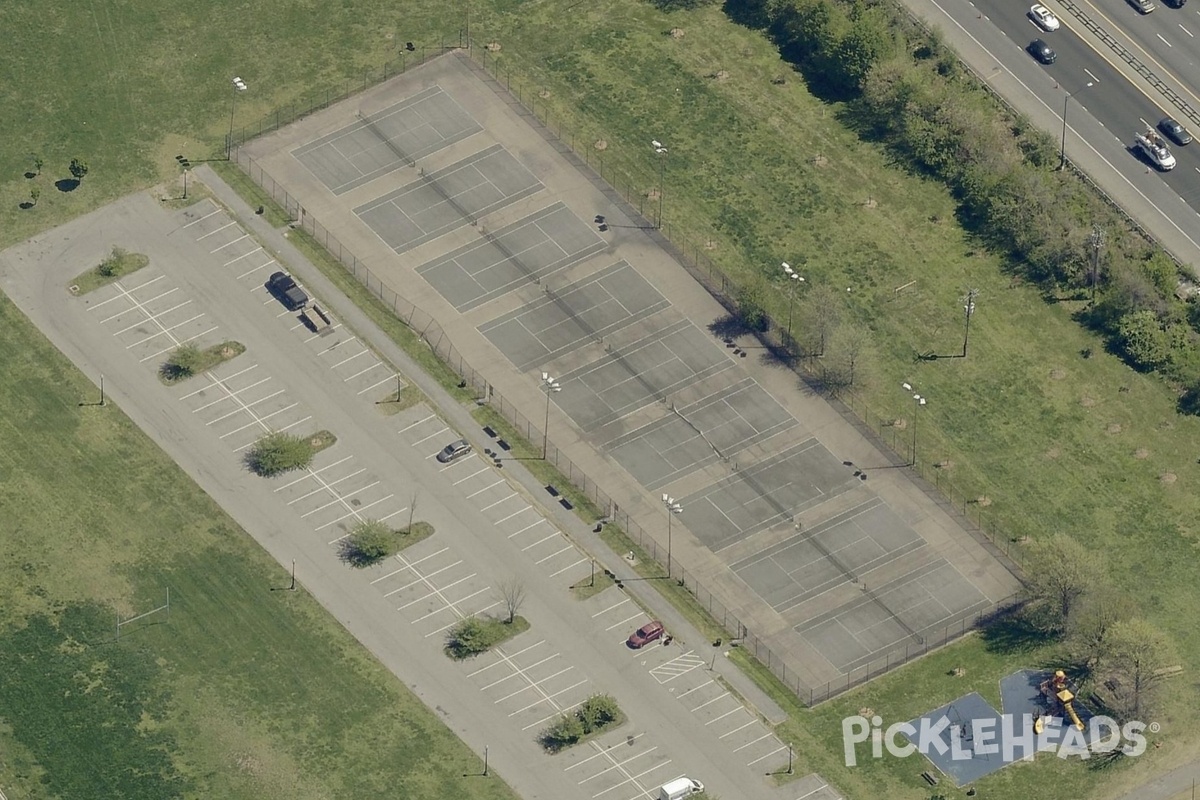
1090 75
1082 139
1164 41
1185 30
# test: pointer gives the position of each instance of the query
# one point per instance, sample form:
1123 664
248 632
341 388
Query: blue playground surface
968 739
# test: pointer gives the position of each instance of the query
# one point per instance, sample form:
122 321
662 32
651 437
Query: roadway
1096 86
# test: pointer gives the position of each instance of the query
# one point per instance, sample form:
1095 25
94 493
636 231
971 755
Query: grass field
245 693
759 168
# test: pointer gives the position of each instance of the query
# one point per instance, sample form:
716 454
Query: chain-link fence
693 257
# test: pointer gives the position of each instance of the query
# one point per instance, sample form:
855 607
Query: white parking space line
422 578
773 752
430 436
236 259
484 489
454 464
625 621
388 379
177 343
149 317
601 754
109 319
756 741
539 541
218 230
362 372
253 270
322 488
451 624
504 499
610 608
618 764
414 563
634 780
694 689
206 216
315 472
735 730
555 553
569 566
229 396
548 698
723 716
124 294
538 643
245 407
515 674
436 592
449 608
356 513
472 475
226 378
364 351
235 241
252 422
710 702
520 510
338 498
527 527
541 722
415 424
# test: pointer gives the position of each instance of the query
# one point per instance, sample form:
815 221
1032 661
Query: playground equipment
1060 697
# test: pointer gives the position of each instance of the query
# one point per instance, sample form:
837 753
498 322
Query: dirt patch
1087 402
544 94
1113 428
720 76
492 47
871 203
652 194
1053 452
983 501
1057 374
710 245
601 145
820 161
1141 453
676 33
900 424
248 763
1167 478
946 464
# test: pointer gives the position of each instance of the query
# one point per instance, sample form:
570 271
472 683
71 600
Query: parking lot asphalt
488 528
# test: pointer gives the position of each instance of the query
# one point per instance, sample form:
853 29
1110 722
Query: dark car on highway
1042 51
646 634
1174 131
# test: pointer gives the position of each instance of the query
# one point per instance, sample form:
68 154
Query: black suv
286 291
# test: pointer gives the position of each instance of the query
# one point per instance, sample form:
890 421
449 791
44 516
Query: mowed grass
1040 429
245 693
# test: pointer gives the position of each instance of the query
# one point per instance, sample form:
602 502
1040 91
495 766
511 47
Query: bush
277 453
594 715
475 635
184 362
111 266
369 543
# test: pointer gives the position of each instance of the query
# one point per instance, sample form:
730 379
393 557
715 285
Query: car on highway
284 287
1154 149
1042 51
1143 6
1043 17
1174 131
453 451
646 634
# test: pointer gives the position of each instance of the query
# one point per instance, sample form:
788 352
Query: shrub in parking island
475 635
277 453
372 541
117 264
188 360
594 716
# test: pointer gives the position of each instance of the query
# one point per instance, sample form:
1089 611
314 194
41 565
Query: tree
1096 614
1061 572
512 593
370 542
822 310
597 711
34 193
1143 339
277 453
38 163
1134 665
183 362
849 348
79 168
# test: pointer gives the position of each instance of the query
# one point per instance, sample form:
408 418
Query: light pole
550 385
239 85
920 401
1062 153
969 308
793 279
662 169
673 508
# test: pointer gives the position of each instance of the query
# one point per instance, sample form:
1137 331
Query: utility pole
1096 242
969 307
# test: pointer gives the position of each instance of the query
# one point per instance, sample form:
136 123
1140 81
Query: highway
1097 87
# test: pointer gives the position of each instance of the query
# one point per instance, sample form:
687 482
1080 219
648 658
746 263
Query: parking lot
150 316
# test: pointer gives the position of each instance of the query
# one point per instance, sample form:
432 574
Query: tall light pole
673 508
920 401
550 385
239 85
662 169
1096 242
793 279
1062 153
969 308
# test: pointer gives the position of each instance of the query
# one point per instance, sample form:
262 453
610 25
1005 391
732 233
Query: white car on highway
1043 17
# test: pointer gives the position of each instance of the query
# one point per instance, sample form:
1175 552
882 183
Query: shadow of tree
1016 633
66 185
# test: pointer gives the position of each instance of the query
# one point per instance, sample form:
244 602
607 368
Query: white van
679 789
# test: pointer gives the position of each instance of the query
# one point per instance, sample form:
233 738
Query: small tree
597 711
79 168
277 453
370 542
512 593
1136 657
1063 571
1096 614
35 192
184 362
822 310
38 163
566 731
111 266
467 638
